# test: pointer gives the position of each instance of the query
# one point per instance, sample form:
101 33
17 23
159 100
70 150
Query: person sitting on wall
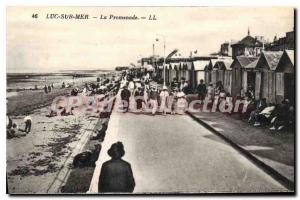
281 117
87 158
228 102
249 93
265 116
246 107
262 104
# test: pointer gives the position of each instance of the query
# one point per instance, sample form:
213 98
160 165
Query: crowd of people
258 112
100 93
103 91
145 94
276 116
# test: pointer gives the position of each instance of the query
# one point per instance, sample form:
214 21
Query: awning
174 66
200 65
189 66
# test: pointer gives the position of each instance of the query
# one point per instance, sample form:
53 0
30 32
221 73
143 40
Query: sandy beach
34 160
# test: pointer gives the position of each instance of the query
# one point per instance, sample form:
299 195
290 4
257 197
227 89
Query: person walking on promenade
173 100
28 122
164 97
125 95
131 87
153 96
210 92
174 83
116 174
139 98
181 102
201 90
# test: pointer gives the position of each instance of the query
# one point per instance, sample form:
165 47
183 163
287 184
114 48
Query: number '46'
34 15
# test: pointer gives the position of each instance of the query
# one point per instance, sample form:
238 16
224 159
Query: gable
262 63
285 64
236 64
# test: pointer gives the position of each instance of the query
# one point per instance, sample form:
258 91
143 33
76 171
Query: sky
48 45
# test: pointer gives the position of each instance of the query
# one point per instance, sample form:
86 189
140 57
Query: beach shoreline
46 150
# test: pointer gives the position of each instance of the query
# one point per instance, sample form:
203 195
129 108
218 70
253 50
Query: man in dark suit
125 95
116 174
201 90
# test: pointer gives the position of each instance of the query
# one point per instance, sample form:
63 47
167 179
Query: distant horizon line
57 71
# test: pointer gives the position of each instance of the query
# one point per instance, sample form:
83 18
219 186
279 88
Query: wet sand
34 160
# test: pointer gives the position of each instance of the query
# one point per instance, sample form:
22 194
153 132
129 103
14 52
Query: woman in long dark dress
116 174
139 97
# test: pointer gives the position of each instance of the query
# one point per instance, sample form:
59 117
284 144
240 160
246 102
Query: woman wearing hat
164 95
153 96
139 98
210 92
116 174
173 100
181 102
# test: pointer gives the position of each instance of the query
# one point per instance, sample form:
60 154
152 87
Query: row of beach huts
271 75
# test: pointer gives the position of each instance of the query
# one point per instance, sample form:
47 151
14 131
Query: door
289 87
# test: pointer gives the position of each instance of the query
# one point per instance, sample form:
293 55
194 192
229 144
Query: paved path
175 154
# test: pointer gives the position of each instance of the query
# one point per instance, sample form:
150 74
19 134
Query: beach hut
189 76
208 71
186 69
172 70
285 77
224 72
207 74
238 71
265 80
199 70
213 71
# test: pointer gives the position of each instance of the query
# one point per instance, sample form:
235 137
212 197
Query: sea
16 82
